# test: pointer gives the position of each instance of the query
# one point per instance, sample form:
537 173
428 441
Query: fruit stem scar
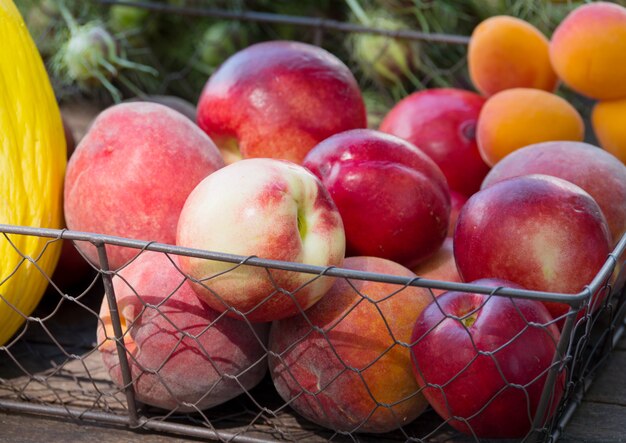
469 320
302 225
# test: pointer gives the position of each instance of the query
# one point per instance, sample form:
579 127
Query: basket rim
144 245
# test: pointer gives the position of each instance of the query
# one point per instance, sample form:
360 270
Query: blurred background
108 51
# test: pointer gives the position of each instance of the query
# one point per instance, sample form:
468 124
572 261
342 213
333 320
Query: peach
607 121
182 354
506 52
440 266
270 208
131 174
576 162
344 363
587 50
518 117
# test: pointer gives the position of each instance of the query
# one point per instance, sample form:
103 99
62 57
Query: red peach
131 173
344 363
182 354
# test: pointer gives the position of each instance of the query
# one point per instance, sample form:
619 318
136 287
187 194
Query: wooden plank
609 385
596 422
621 345
29 429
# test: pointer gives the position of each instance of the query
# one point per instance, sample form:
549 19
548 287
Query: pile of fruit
495 188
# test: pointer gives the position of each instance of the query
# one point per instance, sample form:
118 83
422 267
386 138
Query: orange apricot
588 50
518 117
506 52
608 122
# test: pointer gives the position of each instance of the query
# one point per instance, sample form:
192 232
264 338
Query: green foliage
186 49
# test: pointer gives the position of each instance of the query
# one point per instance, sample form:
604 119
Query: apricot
507 52
519 117
587 50
607 121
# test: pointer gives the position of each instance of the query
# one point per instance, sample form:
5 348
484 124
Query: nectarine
392 197
278 99
442 123
270 208
580 163
541 232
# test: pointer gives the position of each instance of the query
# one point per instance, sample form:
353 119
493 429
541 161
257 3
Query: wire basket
57 365
76 355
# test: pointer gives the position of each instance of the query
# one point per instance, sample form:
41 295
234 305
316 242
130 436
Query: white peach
273 209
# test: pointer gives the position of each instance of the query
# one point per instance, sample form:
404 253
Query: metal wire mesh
77 354
57 363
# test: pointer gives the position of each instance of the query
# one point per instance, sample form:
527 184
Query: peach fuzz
596 171
269 208
440 266
183 355
355 375
608 124
131 174
518 117
506 52
587 50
